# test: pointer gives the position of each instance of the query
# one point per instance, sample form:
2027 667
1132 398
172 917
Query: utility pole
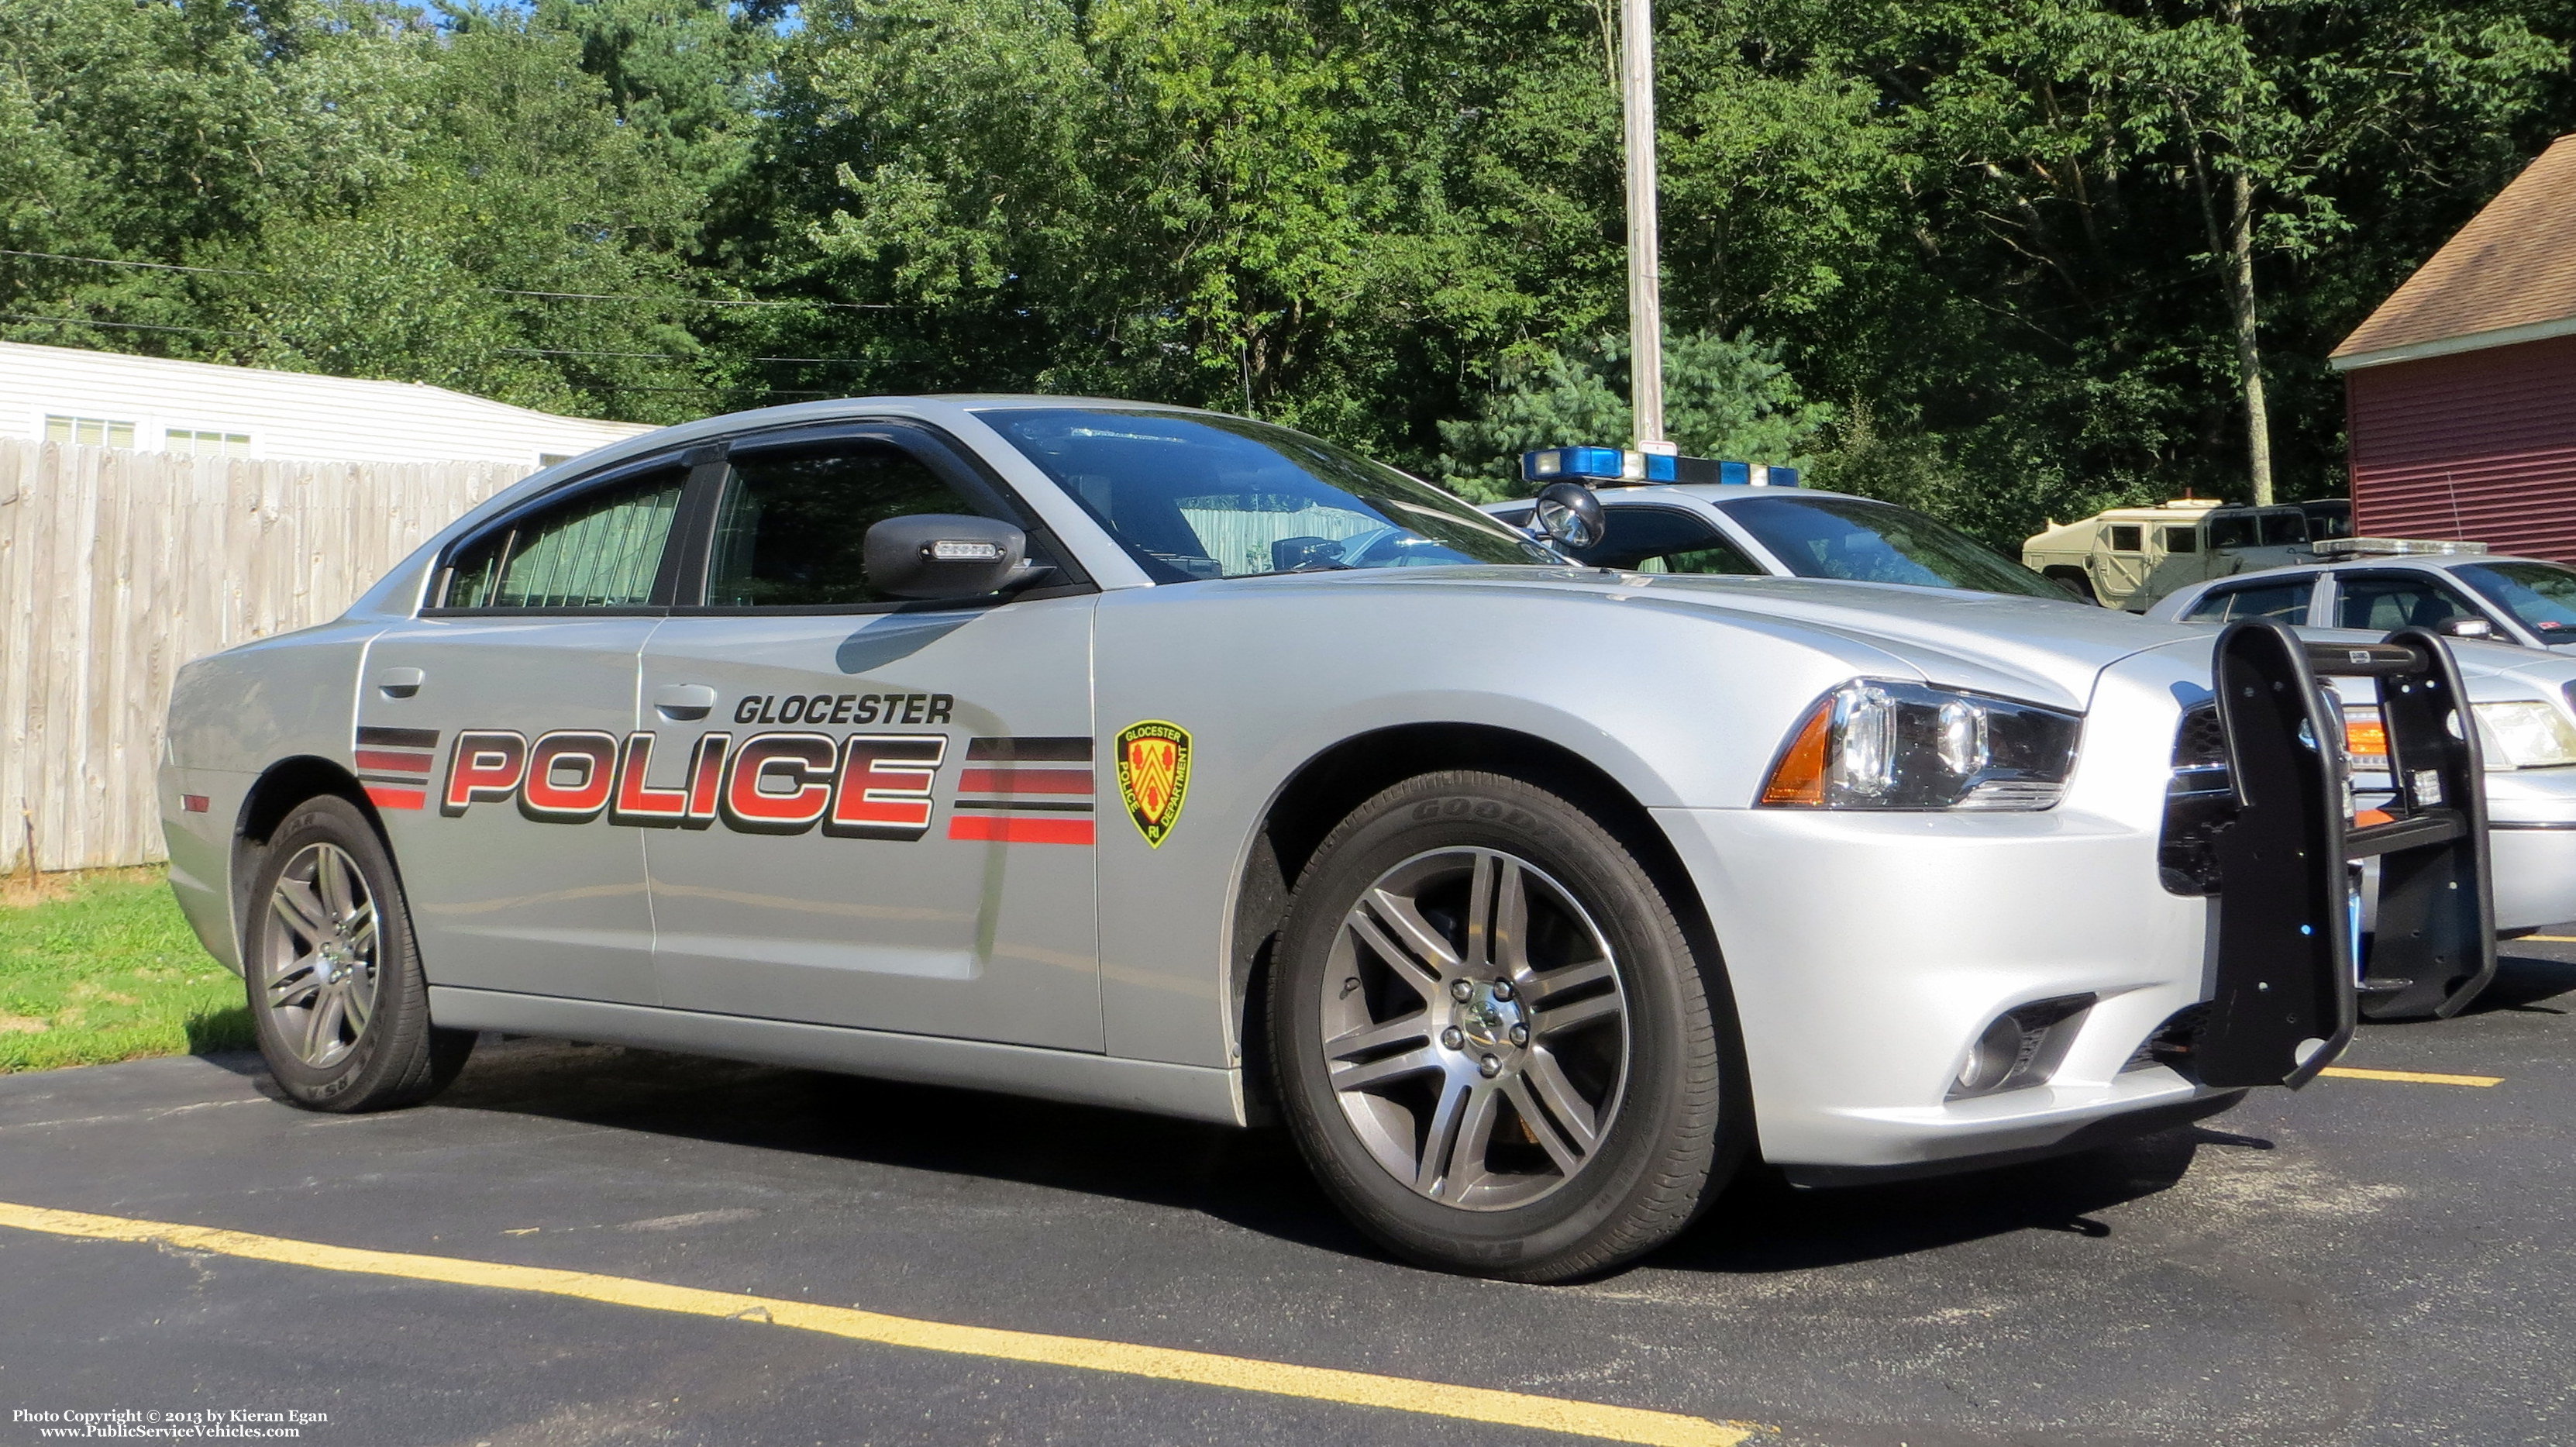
1645 282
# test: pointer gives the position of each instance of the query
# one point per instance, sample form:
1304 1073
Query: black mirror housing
943 555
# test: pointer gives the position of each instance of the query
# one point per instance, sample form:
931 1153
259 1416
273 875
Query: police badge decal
1154 776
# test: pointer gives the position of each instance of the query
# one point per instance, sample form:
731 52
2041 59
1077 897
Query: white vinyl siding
156 402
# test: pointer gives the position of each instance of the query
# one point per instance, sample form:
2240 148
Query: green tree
1724 397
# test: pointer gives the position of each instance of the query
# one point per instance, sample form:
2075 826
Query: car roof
2441 562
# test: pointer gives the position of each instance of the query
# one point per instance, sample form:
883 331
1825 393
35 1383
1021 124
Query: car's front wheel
336 994
1492 1037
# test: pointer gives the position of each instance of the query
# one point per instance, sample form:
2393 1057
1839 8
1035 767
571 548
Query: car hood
2030 648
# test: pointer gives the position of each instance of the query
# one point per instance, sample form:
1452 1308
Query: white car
2525 697
1178 762
2502 614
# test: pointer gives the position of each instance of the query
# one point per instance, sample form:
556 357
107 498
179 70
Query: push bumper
1868 953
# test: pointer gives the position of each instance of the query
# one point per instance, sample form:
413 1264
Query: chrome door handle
398 682
684 700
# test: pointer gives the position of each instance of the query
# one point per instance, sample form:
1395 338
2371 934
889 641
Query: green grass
102 968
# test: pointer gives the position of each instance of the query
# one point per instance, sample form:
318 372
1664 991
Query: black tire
313 969
2075 581
1666 1135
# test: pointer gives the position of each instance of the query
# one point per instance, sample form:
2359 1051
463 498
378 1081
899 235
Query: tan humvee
2129 557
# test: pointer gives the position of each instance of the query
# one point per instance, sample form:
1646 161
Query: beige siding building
107 399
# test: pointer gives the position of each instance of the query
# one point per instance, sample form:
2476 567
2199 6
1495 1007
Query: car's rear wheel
336 994
1493 1039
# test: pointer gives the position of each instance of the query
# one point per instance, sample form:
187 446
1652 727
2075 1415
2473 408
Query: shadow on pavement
1252 1179
1764 1224
1255 1179
2527 982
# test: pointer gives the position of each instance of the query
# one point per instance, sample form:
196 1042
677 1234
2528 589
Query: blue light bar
1596 465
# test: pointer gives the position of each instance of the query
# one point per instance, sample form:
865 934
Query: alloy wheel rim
322 936
1475 1028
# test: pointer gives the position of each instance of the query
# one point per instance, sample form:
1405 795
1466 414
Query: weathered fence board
118 566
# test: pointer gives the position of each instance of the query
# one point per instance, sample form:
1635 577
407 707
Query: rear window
602 549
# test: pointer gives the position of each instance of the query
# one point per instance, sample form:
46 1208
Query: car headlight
1882 744
2524 734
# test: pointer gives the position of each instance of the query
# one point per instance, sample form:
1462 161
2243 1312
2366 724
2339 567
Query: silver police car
1176 762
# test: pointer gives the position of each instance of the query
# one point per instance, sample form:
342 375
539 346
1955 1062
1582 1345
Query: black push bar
2287 861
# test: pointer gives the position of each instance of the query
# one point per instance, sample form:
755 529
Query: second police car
2524 697
1177 762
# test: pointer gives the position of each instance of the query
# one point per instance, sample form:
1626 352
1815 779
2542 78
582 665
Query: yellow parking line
1247 1374
2545 939
2410 1077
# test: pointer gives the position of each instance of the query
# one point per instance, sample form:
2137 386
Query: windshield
1193 496
1876 542
2542 596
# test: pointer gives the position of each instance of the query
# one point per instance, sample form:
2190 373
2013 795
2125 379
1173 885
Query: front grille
2199 801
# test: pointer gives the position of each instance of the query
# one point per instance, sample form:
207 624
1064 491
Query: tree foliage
1985 257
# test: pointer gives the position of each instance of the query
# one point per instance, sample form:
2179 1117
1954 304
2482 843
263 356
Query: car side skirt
1191 1092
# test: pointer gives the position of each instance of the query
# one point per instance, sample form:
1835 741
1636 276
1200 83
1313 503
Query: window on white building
89 431
203 443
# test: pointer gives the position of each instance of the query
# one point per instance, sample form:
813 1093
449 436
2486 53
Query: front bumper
1868 952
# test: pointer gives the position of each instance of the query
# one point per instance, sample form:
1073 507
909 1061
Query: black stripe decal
1015 806
370 738
1029 750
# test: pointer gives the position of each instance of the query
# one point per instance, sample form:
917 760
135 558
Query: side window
792 526
2231 530
2124 537
2286 601
602 549
1665 540
2395 600
2182 540
2288 525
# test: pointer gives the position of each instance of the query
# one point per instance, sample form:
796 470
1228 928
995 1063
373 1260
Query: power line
144 265
124 326
847 306
851 306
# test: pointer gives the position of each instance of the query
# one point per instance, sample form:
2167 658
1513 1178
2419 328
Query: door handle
398 682
684 700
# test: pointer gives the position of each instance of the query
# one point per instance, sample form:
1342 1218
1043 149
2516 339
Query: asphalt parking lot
2370 1261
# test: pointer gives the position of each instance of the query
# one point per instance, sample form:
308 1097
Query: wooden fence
118 566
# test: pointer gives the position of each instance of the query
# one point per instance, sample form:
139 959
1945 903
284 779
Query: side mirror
1569 515
942 555
2465 626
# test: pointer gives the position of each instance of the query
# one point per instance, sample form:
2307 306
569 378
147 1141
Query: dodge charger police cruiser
1176 762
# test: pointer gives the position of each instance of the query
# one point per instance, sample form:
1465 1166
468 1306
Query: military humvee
2128 557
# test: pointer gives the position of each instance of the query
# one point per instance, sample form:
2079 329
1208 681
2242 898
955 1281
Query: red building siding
2481 445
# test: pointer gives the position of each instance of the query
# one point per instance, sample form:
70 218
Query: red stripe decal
1007 829
1023 781
385 798
396 763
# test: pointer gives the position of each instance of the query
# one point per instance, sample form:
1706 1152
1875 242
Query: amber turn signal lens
2365 737
1798 780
